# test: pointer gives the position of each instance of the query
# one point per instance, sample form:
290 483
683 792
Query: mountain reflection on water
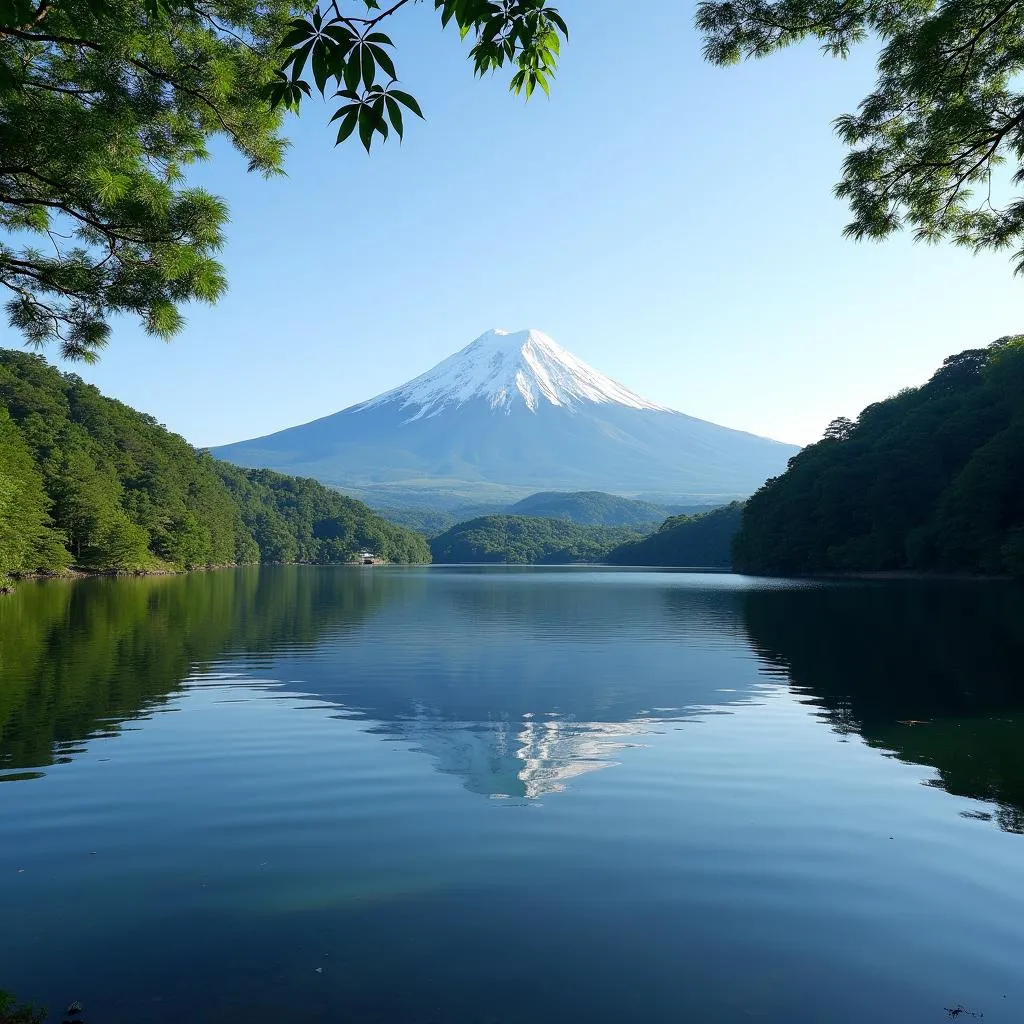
518 681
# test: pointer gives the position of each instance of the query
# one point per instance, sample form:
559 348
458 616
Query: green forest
526 540
704 540
88 483
929 480
294 519
591 508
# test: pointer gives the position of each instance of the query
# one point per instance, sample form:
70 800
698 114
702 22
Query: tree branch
39 37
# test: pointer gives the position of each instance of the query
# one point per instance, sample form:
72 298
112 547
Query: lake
512 796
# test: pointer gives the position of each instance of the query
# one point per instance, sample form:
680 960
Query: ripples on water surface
512 796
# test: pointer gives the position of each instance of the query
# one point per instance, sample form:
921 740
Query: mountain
511 414
930 480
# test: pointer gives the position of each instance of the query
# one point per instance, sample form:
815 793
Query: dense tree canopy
105 103
593 508
697 541
932 479
524 540
88 481
946 110
299 520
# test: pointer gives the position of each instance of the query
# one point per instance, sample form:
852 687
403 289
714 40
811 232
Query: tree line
702 540
88 483
527 540
696 541
929 480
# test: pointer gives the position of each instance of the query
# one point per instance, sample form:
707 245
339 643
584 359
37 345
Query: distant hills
698 541
593 508
703 541
929 480
587 508
508 415
526 540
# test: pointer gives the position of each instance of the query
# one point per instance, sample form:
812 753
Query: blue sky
669 222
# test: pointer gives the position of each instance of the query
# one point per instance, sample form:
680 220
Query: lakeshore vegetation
930 480
88 483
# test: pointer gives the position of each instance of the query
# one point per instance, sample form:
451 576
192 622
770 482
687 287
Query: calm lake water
495 796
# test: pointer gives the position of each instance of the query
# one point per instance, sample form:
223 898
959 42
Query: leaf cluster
946 111
103 105
347 55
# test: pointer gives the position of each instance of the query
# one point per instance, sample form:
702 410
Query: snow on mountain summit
515 413
506 369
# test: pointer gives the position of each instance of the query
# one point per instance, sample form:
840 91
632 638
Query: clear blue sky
669 222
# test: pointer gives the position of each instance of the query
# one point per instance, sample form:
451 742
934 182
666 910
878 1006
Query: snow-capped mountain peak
507 369
515 413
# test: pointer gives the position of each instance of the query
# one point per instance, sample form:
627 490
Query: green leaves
928 144
98 130
370 111
352 55
101 126
349 52
521 32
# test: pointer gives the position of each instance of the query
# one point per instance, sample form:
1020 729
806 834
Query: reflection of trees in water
78 658
513 683
516 683
929 671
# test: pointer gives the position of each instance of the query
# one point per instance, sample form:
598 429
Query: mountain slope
518 411
700 541
932 479
88 481
298 520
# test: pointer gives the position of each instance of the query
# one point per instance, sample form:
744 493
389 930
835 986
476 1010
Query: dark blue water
439 795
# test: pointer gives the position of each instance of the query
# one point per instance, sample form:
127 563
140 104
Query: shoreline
916 575
9 583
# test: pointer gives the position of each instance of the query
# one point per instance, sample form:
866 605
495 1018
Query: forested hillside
703 540
931 479
87 482
433 521
590 508
527 541
293 519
